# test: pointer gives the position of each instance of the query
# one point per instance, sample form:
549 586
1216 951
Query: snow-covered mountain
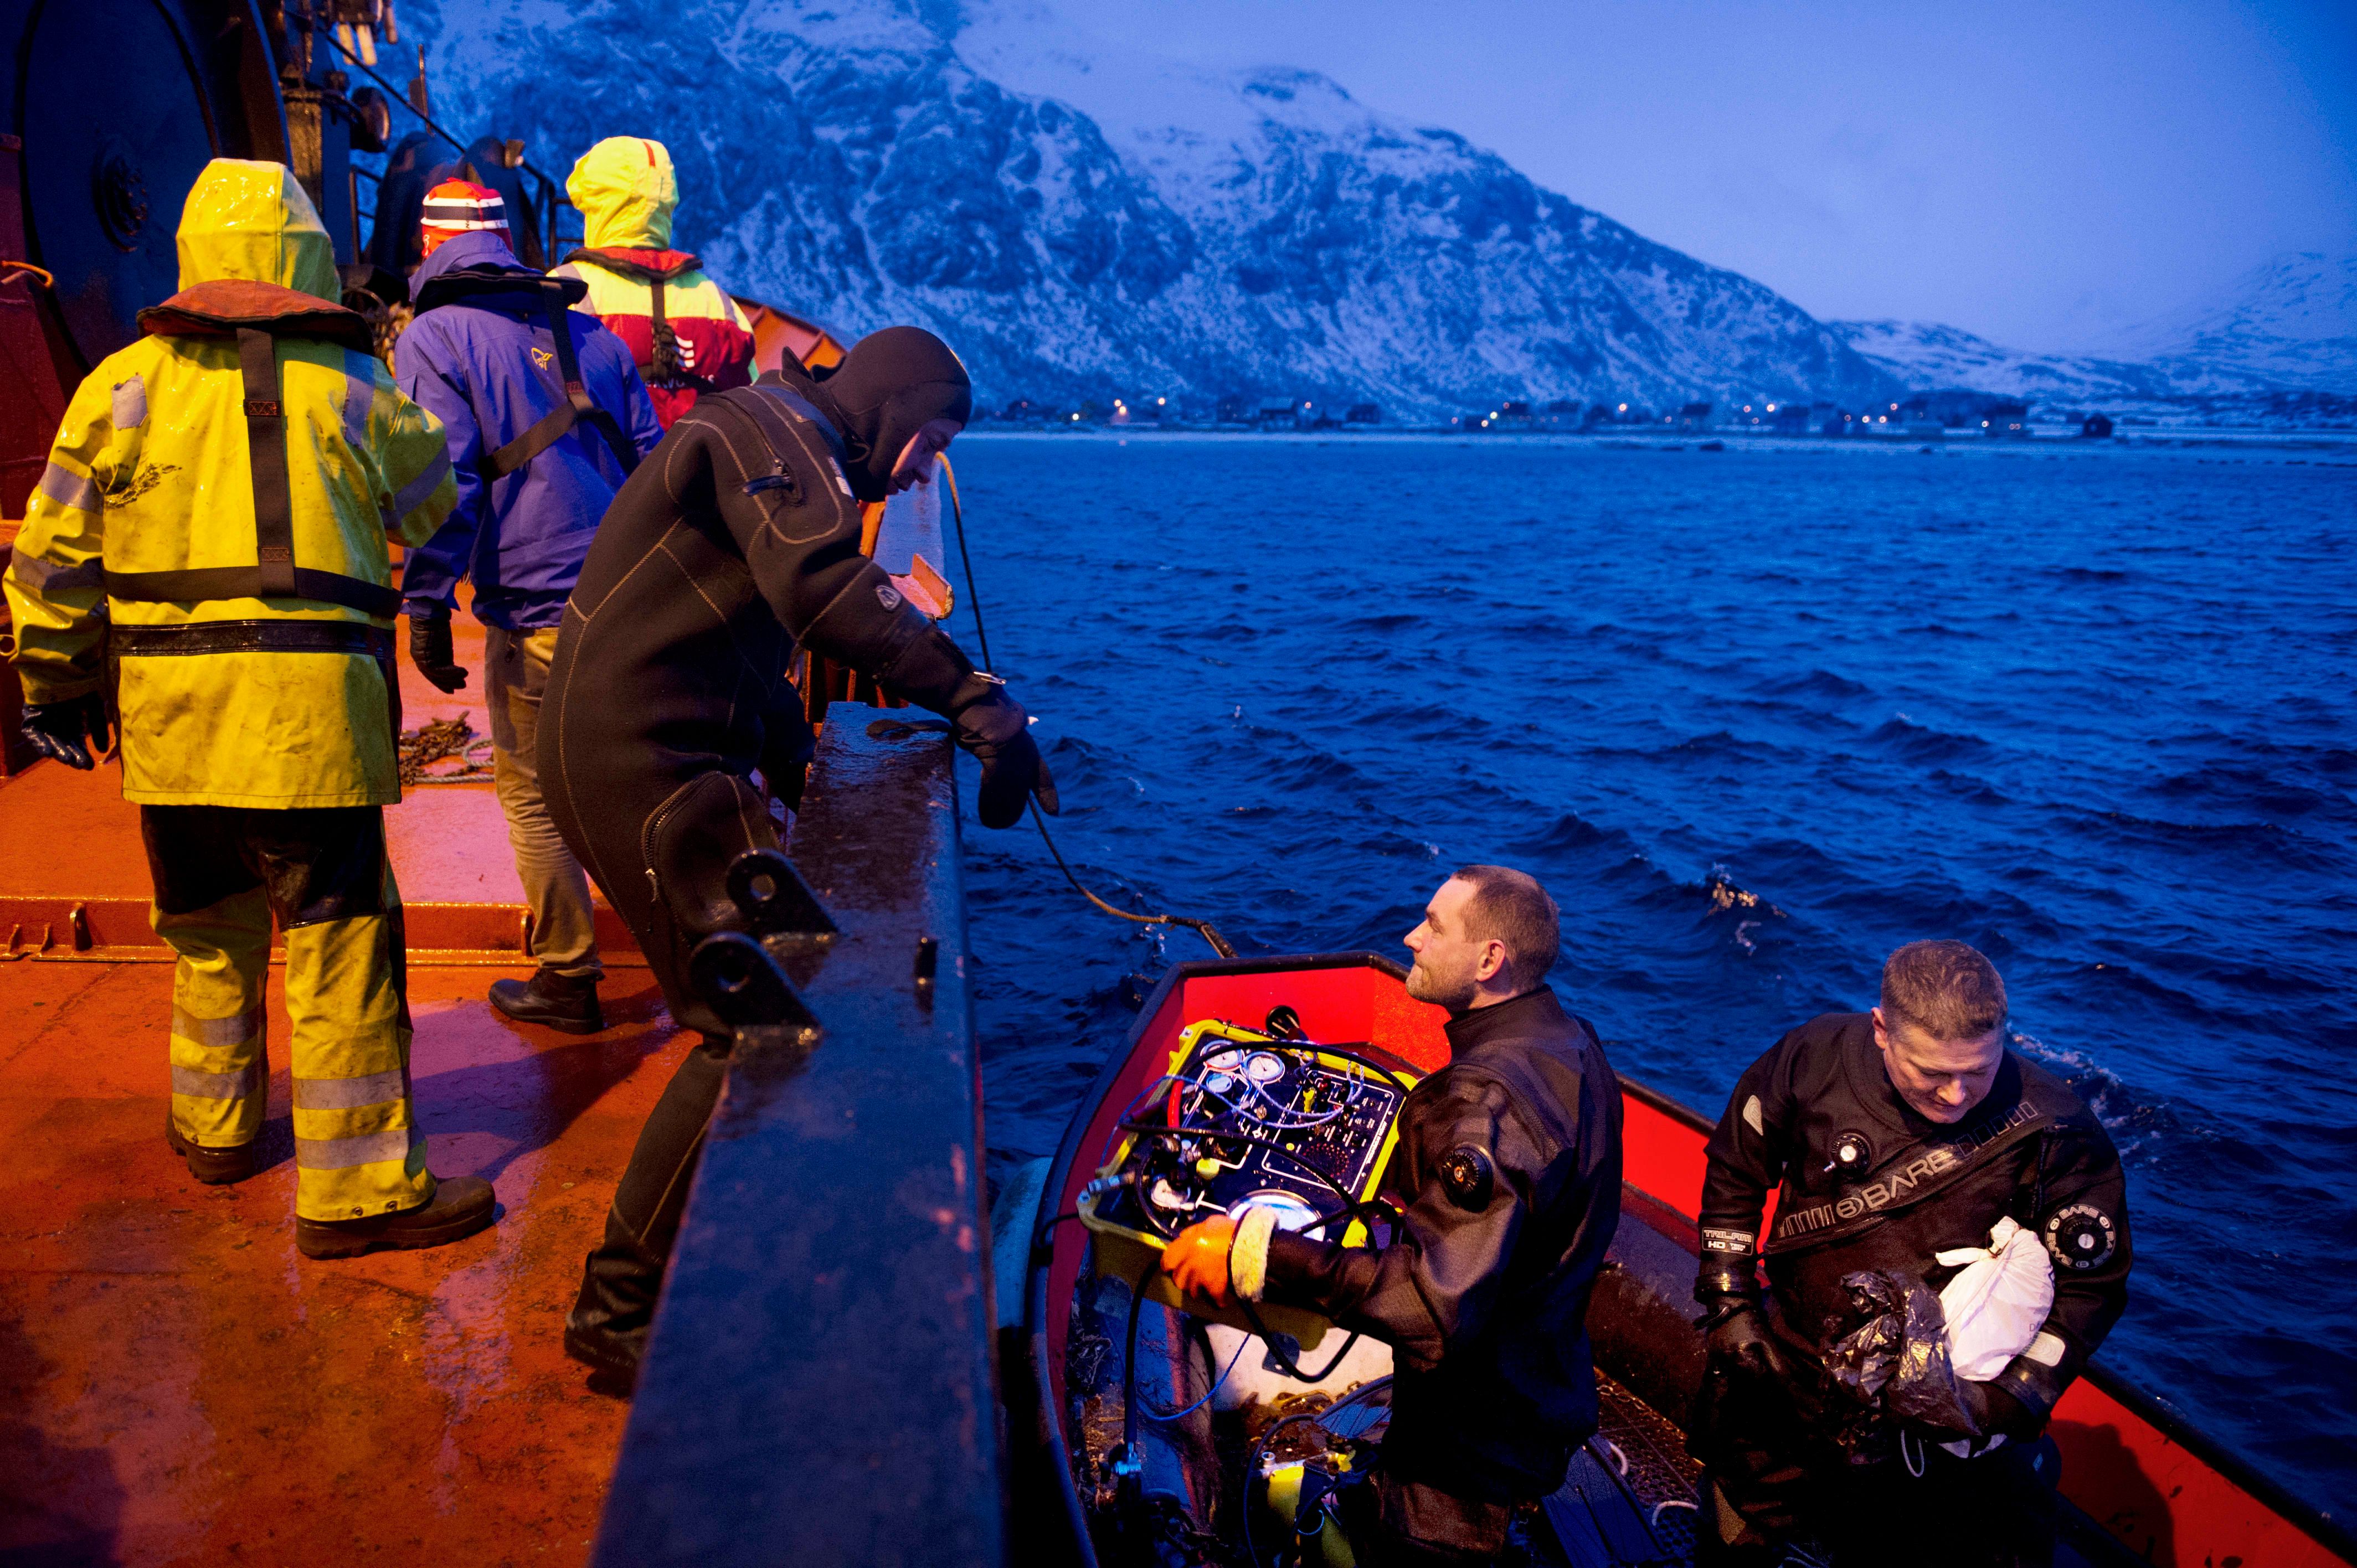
2287 327
1926 355
1084 225
2292 323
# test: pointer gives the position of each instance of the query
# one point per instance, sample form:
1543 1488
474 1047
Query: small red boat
1147 1465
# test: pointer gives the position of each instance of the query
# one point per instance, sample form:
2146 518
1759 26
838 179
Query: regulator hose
1204 929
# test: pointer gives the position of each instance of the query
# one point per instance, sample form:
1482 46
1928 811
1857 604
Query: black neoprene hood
891 385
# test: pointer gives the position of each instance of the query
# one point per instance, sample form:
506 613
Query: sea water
1755 717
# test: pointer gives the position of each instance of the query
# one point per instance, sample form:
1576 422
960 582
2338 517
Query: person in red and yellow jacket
687 334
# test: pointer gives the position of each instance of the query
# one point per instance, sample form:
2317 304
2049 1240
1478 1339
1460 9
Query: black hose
1285 1362
1204 929
1165 1130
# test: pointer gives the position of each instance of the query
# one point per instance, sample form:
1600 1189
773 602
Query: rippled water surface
1755 717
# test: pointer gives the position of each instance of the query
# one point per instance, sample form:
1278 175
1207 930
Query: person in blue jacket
547 416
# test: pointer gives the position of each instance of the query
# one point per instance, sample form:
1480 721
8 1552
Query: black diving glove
429 649
994 727
75 731
1737 1342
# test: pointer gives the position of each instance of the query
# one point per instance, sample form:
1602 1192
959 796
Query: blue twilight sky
2040 173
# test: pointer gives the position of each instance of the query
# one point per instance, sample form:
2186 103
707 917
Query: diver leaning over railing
738 539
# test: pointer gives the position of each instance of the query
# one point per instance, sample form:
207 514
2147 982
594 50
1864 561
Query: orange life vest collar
639 265
219 308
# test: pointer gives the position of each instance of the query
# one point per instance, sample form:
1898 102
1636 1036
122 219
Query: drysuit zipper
647 831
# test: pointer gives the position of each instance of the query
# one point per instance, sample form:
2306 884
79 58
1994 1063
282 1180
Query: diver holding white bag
1868 1399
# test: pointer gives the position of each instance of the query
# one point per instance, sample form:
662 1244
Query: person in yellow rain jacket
687 334
210 543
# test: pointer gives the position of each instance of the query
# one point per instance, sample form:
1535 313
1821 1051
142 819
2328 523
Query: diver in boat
209 545
686 333
1508 1182
1901 1144
737 541
542 431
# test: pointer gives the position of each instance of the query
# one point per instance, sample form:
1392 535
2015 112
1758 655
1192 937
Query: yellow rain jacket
250 650
686 335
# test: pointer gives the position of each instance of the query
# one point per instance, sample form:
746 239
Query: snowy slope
1928 355
2292 322
1080 225
2287 327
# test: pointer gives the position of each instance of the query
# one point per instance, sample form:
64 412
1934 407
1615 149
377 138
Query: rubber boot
566 1003
214 1167
621 1281
460 1207
611 1319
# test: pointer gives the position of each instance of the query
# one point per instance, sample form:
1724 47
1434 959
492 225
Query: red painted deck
176 1385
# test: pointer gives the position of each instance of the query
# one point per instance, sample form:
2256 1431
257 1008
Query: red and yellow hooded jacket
686 333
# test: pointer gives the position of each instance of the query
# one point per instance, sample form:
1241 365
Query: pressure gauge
1292 1213
1263 1066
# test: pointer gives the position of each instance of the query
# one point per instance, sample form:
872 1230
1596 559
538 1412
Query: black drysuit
736 539
1863 1182
1508 1174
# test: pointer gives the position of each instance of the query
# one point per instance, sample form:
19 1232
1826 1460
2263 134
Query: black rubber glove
1738 1341
995 728
429 649
76 732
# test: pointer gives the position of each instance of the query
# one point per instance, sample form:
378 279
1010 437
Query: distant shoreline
2045 443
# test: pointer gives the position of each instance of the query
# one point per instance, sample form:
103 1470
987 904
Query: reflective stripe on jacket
151 471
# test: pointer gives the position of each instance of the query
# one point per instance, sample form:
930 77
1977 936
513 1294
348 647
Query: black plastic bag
1891 1364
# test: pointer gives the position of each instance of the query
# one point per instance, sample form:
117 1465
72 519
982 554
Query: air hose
1204 929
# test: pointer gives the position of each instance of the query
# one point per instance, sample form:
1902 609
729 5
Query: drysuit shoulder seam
660 547
718 614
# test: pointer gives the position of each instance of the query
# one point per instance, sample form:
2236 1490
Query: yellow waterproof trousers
222 874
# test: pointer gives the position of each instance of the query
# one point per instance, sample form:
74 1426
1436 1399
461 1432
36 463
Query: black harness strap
201 636
265 445
194 638
274 575
577 407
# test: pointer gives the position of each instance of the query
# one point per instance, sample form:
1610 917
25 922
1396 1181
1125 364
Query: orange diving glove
1197 1258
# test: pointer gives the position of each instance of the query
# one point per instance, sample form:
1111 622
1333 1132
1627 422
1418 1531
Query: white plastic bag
1997 1302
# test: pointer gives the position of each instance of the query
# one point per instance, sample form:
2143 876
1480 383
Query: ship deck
176 1385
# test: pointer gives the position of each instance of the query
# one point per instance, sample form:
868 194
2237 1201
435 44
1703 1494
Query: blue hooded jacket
479 358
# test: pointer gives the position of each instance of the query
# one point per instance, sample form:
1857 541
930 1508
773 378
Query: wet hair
1510 906
1945 989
